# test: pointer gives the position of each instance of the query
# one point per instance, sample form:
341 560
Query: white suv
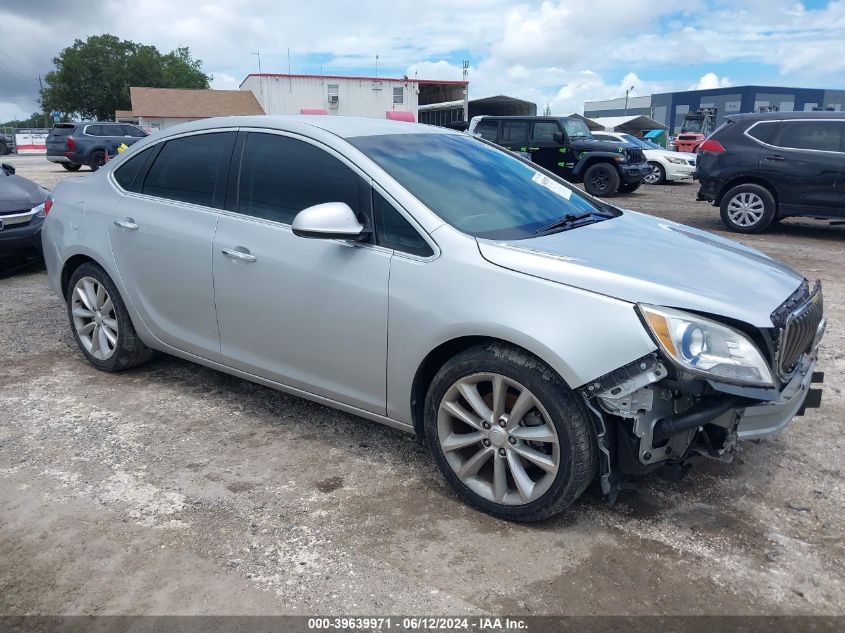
665 165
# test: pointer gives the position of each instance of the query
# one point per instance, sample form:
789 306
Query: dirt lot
177 489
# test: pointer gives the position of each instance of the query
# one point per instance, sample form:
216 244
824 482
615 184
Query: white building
426 101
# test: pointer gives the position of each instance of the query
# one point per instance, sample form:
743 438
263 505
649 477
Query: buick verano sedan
537 338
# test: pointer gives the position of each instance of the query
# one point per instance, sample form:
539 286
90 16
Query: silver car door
309 313
161 233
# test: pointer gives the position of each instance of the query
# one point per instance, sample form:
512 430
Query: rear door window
815 135
94 130
514 132
131 130
192 169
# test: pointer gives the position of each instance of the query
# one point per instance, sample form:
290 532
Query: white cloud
709 81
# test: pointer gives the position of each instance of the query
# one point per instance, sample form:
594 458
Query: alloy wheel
652 177
498 439
746 209
94 318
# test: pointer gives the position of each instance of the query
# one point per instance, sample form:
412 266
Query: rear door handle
241 255
776 157
126 223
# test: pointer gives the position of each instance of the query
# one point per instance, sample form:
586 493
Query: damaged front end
706 386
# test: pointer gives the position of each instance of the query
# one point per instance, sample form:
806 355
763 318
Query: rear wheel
98 159
4 149
508 434
629 187
657 175
748 209
100 323
71 166
601 180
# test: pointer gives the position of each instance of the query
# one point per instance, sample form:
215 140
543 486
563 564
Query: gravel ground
174 489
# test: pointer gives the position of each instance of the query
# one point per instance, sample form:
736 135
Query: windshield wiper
569 221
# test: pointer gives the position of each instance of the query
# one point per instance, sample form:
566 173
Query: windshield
576 128
475 187
652 144
633 140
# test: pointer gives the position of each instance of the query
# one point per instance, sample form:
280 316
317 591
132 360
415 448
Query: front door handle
776 157
126 223
241 255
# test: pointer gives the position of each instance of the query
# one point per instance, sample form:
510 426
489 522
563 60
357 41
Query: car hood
666 153
643 259
582 145
19 194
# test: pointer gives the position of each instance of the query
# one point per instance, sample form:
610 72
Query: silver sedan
538 339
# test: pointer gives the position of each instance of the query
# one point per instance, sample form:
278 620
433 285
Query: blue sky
556 52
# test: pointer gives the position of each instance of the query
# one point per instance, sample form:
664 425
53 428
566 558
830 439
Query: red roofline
401 80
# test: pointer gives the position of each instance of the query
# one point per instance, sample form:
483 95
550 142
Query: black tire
630 187
97 160
769 208
129 350
4 149
71 166
578 450
657 173
601 180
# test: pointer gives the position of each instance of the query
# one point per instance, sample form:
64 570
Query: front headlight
675 161
706 347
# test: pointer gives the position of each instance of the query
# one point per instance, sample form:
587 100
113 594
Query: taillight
71 144
48 204
711 145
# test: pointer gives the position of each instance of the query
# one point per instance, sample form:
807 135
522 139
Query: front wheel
71 166
748 209
601 180
657 175
100 323
508 434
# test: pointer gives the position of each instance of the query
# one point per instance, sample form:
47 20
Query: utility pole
376 64
631 89
41 95
260 78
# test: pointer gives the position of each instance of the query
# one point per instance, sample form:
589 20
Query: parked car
23 206
760 168
75 144
538 338
665 166
566 147
7 142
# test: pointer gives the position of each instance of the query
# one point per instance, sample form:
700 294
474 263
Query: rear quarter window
765 131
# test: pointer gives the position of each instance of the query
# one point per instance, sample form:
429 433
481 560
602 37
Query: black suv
6 143
760 168
77 144
565 146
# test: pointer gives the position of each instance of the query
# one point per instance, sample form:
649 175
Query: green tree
92 78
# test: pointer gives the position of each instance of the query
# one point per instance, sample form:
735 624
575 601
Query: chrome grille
799 331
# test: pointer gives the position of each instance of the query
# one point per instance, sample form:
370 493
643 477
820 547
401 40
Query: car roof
527 116
781 116
342 126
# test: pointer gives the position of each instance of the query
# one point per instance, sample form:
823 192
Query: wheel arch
438 357
747 180
591 159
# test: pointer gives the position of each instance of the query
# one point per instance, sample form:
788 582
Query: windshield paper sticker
551 185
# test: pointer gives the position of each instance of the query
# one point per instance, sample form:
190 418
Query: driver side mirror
557 137
329 221
9 169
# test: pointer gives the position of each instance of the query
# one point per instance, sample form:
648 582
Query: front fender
585 159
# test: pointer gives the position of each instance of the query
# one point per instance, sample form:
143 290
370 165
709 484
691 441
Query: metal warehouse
670 108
